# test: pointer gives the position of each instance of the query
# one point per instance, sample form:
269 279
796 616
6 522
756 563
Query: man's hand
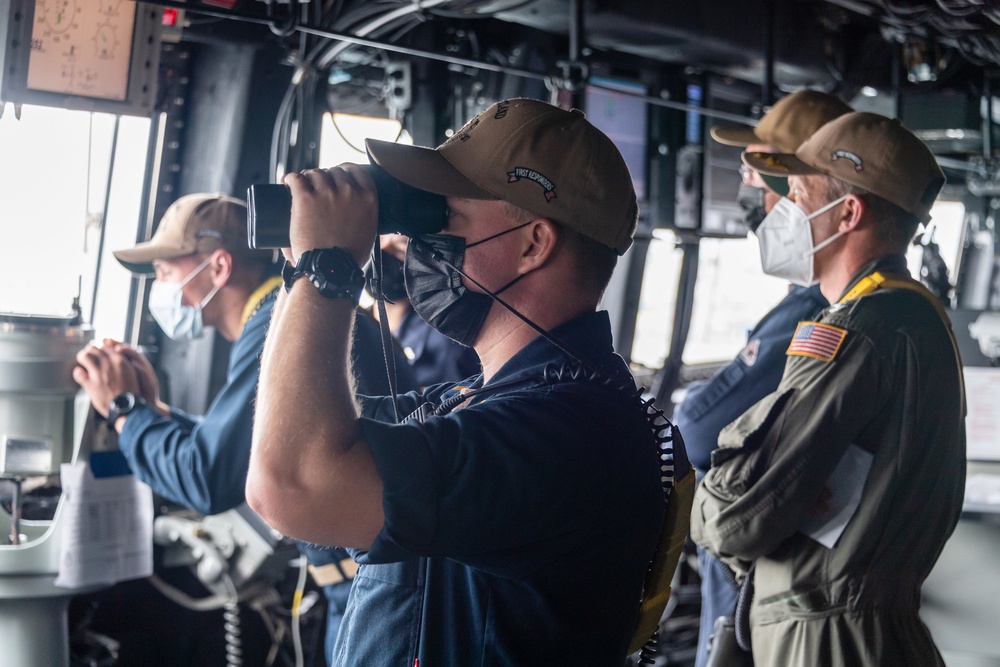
394 244
104 373
334 208
149 385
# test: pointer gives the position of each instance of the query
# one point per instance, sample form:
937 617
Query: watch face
334 272
124 401
122 404
331 266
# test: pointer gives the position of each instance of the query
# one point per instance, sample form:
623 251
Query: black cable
383 326
957 9
741 617
287 27
459 14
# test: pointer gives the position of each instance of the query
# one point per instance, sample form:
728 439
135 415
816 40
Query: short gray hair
894 227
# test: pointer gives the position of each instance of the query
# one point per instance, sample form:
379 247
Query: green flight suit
893 388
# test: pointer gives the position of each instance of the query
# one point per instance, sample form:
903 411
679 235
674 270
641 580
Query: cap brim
777 184
424 169
735 135
140 258
777 164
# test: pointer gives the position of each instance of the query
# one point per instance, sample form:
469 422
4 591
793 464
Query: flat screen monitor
618 109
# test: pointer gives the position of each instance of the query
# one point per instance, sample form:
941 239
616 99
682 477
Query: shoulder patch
748 355
819 341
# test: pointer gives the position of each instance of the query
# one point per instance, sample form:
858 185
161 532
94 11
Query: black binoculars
402 209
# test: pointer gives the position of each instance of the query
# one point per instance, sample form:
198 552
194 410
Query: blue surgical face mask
178 321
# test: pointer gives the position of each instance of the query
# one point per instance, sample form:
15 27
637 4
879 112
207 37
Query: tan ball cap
869 151
793 119
194 223
544 159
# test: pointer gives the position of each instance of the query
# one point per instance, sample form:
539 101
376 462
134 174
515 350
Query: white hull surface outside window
53 193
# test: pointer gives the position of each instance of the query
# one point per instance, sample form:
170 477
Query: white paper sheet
982 425
982 493
107 526
846 484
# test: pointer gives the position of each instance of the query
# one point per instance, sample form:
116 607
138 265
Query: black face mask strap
510 284
437 256
490 238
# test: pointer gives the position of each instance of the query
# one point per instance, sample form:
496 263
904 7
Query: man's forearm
304 379
305 427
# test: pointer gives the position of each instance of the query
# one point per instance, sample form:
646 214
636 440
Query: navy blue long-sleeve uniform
202 462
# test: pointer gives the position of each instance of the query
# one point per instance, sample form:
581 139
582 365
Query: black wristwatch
332 270
121 405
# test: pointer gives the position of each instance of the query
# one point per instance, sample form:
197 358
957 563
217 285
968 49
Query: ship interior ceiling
246 89
433 64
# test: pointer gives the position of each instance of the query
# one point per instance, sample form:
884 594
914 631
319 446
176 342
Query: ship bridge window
731 294
657 300
730 297
947 229
342 137
54 198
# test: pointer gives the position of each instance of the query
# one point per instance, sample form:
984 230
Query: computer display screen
613 107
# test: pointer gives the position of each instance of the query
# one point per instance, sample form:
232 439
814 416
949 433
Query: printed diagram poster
982 425
82 47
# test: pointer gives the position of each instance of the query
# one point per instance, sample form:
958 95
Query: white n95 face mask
178 321
786 242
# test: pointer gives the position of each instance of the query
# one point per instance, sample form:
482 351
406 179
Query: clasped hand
112 368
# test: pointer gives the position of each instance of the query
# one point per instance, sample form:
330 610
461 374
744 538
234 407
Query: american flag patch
820 341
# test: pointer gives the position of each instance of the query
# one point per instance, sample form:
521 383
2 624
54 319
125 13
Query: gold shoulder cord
869 284
256 299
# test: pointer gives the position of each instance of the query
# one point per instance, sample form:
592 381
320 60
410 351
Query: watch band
289 274
332 271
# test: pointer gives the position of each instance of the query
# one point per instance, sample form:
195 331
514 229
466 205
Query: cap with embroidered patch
549 161
786 125
793 119
872 152
194 223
